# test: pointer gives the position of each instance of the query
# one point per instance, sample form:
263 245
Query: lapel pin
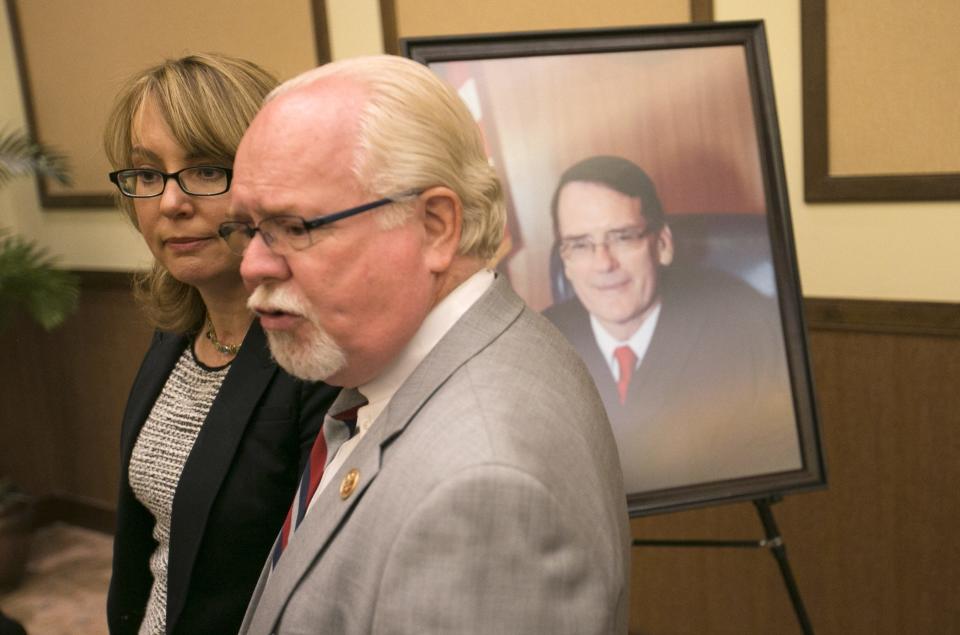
349 483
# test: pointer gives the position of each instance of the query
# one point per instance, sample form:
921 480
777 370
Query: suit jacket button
349 483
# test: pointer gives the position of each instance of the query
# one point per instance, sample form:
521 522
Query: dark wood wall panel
29 404
63 394
875 553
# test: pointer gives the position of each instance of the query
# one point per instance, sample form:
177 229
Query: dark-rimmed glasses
287 233
578 249
198 180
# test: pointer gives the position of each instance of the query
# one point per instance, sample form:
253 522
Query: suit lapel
211 457
164 352
675 340
246 624
479 326
586 346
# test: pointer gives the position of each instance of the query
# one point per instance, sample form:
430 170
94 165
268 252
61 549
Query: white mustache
265 298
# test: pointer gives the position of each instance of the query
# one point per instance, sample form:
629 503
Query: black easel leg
779 551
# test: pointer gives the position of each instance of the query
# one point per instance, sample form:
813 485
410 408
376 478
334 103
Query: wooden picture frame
68 84
820 184
693 105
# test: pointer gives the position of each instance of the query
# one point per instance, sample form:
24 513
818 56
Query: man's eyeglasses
617 242
200 180
285 233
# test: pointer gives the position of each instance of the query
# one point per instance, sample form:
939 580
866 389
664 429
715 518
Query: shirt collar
441 319
639 341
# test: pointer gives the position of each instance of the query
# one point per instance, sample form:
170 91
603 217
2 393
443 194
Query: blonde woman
214 435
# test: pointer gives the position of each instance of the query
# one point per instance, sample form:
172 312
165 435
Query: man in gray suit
482 492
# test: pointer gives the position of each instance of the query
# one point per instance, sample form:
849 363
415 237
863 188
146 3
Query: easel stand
772 541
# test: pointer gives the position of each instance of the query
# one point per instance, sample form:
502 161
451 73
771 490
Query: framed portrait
648 219
917 157
69 82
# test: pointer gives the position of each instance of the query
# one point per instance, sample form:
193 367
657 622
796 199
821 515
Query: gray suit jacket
490 500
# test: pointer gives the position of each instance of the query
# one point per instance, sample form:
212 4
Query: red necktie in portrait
626 360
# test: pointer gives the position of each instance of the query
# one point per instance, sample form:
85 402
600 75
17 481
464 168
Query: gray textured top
158 458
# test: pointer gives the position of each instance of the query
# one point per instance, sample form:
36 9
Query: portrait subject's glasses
286 233
199 180
617 242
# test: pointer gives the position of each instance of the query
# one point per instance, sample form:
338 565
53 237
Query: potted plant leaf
29 280
30 284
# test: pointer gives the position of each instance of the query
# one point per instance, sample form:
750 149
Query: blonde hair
208 100
415 133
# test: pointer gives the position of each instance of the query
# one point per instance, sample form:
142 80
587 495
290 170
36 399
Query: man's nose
603 258
261 265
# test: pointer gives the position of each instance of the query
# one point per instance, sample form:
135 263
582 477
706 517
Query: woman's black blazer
232 497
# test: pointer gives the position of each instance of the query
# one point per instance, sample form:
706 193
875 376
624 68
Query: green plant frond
29 280
21 156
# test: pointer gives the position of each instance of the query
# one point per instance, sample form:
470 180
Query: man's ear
665 246
442 221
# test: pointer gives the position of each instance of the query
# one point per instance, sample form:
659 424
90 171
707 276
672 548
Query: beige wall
896 251
354 27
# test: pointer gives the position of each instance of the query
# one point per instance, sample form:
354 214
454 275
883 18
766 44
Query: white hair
414 133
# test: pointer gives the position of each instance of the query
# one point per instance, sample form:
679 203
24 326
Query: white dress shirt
639 342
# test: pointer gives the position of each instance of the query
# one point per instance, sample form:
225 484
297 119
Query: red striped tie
310 479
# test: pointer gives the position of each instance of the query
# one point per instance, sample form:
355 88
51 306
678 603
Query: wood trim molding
883 316
75 511
819 185
388 20
701 11
105 279
321 31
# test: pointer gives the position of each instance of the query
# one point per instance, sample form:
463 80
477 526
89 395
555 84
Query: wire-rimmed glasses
579 249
